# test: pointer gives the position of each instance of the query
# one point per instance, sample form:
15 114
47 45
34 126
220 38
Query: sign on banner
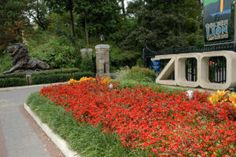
218 21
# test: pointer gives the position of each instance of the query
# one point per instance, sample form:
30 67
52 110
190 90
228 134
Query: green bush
10 82
13 75
49 76
137 74
87 64
5 62
58 77
120 58
56 50
58 71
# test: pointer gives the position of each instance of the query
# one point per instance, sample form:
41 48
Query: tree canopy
160 23
13 21
164 24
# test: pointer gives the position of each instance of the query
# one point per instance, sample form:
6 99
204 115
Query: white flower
189 94
110 86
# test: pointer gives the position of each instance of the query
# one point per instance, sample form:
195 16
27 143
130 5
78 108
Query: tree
122 2
165 24
99 17
60 6
37 11
13 21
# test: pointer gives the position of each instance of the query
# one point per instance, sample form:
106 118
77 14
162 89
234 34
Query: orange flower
83 79
219 96
73 81
106 80
232 99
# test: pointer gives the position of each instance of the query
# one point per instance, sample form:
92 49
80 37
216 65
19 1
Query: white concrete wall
177 64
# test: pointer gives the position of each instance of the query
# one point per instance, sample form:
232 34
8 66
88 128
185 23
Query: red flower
165 124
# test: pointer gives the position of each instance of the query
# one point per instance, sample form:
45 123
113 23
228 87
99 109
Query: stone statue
22 61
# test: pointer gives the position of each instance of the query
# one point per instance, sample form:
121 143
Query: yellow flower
73 81
219 96
232 98
83 79
106 80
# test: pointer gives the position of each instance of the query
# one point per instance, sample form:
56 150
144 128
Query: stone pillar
86 53
102 60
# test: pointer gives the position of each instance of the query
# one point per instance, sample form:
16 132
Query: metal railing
148 52
191 69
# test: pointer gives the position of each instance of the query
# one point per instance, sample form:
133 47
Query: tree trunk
72 17
123 8
86 31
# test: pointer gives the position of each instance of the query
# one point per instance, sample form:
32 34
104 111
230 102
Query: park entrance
210 66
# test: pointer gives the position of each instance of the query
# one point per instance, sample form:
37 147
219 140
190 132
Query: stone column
86 53
102 60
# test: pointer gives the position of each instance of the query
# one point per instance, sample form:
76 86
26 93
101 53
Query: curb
56 139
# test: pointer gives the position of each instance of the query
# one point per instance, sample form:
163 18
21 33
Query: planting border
56 139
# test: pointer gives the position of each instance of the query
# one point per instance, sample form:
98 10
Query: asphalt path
19 134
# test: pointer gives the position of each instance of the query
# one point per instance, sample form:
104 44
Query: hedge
48 76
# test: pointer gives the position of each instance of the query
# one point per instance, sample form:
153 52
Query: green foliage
5 62
178 24
53 49
58 77
83 138
37 11
136 74
82 16
10 82
87 64
60 24
12 22
106 10
140 62
49 76
120 58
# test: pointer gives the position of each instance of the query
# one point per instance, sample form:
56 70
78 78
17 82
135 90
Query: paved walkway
19 135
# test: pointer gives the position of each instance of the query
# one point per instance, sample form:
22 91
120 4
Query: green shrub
56 50
13 75
5 62
140 62
78 75
57 77
136 74
120 58
87 64
54 71
48 76
10 82
58 71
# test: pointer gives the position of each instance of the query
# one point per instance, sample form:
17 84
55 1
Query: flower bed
163 123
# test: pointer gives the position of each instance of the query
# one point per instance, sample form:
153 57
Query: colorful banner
218 23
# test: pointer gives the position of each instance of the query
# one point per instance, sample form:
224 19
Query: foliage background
55 31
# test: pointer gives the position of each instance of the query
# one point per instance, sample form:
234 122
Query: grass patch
136 73
130 78
85 139
154 86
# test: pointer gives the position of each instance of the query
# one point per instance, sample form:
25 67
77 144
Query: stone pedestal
102 60
86 53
